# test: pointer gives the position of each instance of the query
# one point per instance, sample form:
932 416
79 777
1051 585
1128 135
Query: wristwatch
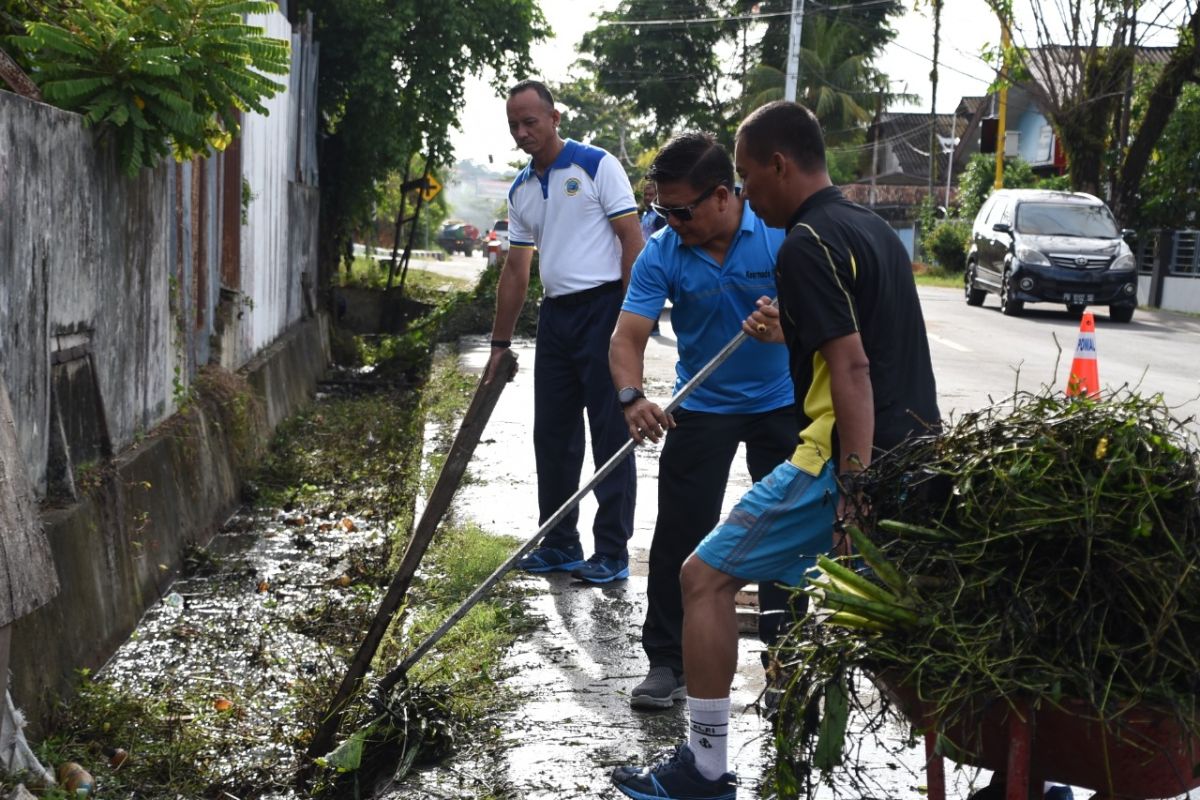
628 395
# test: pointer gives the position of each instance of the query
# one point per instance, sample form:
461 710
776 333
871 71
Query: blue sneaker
675 778
602 569
552 559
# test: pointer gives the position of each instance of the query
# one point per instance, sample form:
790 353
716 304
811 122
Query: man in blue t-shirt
716 265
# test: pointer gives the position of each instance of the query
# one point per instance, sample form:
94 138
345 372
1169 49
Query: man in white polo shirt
573 203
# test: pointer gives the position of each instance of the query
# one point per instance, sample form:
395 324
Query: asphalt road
978 353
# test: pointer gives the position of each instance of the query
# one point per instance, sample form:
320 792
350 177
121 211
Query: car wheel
974 296
1120 313
1009 305
1075 309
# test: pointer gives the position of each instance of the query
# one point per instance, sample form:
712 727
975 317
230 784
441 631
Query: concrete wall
140 276
115 292
175 488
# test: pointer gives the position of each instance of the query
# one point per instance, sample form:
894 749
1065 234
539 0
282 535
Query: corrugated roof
905 137
1064 63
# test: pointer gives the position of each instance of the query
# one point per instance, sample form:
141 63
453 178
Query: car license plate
1081 298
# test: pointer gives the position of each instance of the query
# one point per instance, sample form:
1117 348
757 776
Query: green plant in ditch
171 752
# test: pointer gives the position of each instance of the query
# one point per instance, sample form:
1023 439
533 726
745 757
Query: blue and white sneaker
552 559
602 569
675 778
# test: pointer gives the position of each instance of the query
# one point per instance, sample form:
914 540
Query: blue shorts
778 528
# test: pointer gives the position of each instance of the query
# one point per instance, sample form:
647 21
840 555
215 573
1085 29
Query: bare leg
710 635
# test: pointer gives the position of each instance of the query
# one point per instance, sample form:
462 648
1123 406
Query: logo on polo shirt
572 186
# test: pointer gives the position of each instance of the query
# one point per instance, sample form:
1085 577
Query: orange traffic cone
1085 377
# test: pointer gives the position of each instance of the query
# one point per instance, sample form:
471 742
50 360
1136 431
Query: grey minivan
1032 245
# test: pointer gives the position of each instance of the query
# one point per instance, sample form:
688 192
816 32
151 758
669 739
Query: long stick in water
392 678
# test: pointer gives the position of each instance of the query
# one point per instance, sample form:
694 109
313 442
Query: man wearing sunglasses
851 319
574 203
716 264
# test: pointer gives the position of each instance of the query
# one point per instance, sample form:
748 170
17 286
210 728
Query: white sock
708 735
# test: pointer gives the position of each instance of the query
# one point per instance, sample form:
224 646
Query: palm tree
839 86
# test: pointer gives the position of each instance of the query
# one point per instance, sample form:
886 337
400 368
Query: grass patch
926 275
422 284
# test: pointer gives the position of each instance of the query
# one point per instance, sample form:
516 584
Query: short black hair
539 87
693 157
787 128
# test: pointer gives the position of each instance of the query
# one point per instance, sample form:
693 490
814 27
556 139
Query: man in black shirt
860 361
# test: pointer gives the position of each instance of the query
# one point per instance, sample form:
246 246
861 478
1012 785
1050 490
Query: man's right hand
647 420
494 364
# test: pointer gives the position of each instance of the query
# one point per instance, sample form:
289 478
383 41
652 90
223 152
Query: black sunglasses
684 213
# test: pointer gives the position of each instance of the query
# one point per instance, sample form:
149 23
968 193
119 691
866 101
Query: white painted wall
270 284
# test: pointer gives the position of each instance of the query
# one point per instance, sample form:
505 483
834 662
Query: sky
967 27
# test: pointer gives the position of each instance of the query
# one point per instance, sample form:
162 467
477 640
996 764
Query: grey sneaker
660 690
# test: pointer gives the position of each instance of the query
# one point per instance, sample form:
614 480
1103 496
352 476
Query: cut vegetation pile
1046 548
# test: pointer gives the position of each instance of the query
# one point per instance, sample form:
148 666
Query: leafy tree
669 73
866 22
391 85
1076 62
598 118
1179 74
838 84
160 76
978 179
1169 195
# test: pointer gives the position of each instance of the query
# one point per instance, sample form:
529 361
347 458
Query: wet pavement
571 675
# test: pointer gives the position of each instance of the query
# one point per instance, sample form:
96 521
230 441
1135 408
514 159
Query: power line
739 17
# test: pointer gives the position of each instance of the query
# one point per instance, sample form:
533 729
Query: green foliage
1170 190
162 76
979 177
603 120
671 74
865 22
391 85
948 242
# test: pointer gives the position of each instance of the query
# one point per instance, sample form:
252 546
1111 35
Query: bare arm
853 401
853 411
510 298
629 233
626 358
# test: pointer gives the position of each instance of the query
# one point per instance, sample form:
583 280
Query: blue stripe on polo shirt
709 302
624 213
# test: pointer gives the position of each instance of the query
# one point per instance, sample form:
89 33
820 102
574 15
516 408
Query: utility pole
875 143
950 159
933 81
793 60
1002 111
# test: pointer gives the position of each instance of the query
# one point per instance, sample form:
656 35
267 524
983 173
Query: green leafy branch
159 76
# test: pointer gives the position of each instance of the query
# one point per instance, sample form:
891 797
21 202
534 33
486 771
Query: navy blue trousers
571 375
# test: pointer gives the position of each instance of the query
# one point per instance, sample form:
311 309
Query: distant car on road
1031 245
459 237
